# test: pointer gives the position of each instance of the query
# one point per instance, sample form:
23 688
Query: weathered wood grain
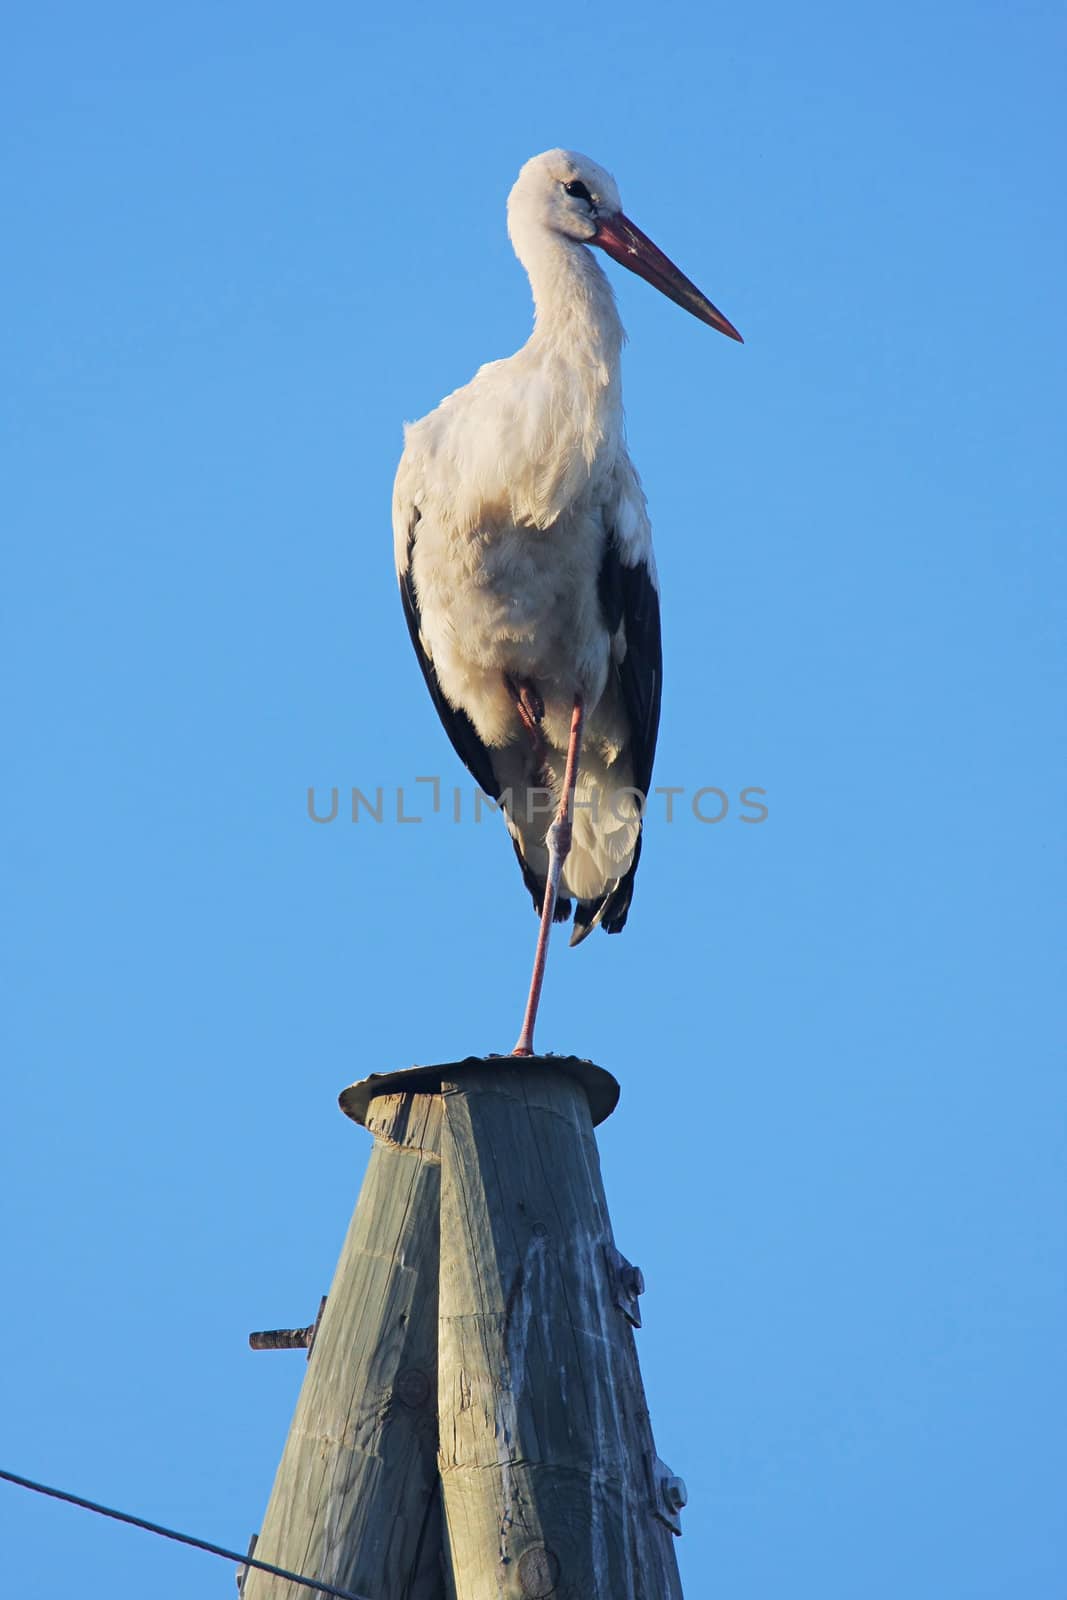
356 1499
545 1445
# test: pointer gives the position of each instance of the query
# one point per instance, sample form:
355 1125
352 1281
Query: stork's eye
578 191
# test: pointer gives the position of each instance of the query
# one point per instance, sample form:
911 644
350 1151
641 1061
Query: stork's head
563 192
567 194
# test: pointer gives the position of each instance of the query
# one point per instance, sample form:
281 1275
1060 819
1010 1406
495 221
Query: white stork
524 555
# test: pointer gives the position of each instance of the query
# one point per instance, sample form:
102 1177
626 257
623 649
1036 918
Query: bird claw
528 703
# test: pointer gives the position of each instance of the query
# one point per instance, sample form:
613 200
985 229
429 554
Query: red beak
631 248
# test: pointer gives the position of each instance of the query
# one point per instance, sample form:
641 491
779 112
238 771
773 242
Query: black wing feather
641 671
628 599
456 723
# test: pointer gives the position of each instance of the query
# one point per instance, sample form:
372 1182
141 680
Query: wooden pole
355 1499
550 1478
480 1274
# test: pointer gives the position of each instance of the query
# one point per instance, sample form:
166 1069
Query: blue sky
243 246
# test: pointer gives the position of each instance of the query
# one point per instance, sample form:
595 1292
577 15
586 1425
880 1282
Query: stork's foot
530 706
528 700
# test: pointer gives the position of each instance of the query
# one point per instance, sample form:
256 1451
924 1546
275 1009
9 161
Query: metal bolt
242 1571
289 1338
627 1284
675 1494
280 1339
633 1280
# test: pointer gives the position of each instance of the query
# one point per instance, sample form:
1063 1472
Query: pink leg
559 844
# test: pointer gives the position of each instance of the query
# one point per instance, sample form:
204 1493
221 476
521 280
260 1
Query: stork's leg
559 844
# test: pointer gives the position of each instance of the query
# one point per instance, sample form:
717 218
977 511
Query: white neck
556 405
575 307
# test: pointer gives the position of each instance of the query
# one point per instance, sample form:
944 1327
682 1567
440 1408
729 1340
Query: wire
182 1538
